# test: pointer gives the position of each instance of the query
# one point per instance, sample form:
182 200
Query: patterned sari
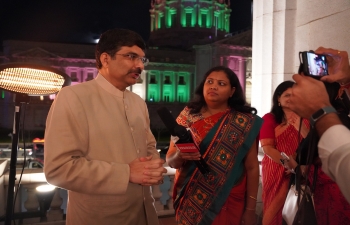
275 182
224 140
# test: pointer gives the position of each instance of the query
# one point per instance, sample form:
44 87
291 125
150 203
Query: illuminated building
187 38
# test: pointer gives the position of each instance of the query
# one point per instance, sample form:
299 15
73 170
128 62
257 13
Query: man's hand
147 171
338 65
308 96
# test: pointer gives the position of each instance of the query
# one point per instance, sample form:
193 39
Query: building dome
184 23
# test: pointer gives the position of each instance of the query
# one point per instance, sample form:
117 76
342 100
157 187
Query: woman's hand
188 156
290 164
249 217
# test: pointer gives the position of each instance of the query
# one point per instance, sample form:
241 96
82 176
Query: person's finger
144 159
327 51
297 78
155 173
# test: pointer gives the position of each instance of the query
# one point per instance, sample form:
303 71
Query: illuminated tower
184 23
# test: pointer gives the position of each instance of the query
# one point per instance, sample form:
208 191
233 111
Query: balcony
27 201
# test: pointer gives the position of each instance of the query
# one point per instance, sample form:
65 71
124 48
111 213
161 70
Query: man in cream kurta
95 134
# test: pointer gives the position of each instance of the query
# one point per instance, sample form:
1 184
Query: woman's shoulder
269 116
185 118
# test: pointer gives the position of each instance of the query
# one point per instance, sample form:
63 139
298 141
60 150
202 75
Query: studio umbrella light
25 80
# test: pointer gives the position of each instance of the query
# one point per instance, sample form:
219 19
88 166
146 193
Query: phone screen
317 64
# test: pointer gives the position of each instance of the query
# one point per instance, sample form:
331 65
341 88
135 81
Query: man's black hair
112 40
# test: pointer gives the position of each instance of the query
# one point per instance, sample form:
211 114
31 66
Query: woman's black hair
237 101
276 109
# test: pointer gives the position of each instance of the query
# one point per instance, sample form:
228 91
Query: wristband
320 113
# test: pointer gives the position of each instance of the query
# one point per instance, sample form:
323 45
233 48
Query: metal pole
21 98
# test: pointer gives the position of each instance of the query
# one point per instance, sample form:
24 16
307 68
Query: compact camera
312 64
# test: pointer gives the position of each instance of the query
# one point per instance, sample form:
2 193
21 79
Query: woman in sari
279 133
225 130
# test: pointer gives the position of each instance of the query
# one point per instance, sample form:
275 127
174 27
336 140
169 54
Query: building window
90 76
181 97
188 19
204 20
162 21
166 98
167 80
74 77
173 20
182 80
153 79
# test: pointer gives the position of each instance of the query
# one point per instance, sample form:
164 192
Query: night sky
68 21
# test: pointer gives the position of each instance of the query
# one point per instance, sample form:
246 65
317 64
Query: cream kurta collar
108 86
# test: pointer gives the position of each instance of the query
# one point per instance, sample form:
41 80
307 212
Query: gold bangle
253 198
250 209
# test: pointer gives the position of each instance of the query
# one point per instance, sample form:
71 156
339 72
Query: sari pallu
199 198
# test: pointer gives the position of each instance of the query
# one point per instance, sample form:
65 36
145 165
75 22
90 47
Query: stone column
241 72
55 213
273 44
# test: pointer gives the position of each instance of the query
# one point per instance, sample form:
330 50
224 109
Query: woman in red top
279 133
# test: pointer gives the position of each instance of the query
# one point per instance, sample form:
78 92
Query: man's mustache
139 71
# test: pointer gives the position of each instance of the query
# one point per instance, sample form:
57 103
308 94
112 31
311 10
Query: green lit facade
176 26
168 86
204 14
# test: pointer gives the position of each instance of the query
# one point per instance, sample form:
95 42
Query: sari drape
275 182
197 198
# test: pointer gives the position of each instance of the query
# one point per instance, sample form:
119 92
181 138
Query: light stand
26 80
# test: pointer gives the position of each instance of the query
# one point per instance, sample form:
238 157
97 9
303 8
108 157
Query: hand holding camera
313 64
338 65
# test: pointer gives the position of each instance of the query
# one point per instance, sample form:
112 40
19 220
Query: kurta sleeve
66 164
267 131
151 141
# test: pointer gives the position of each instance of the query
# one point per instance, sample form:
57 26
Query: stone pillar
273 44
32 204
241 72
157 194
55 213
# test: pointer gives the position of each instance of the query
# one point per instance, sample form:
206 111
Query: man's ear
104 59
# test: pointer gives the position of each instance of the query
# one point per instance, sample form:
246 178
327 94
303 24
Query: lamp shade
32 79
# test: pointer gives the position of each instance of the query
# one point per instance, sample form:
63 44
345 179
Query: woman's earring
279 104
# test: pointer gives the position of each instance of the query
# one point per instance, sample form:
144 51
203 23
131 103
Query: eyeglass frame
133 57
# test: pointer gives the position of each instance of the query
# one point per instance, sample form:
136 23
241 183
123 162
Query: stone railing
27 200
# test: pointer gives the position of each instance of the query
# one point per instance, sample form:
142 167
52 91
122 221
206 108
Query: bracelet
253 198
250 209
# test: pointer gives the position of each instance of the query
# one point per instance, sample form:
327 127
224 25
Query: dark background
71 21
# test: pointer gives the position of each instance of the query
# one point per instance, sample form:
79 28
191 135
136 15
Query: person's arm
66 148
267 138
252 169
66 151
272 153
334 151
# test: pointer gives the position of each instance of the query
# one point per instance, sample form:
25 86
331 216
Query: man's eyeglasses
134 57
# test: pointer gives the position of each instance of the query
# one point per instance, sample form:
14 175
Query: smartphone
313 64
284 156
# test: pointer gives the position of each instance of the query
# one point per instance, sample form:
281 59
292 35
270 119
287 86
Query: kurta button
138 151
131 129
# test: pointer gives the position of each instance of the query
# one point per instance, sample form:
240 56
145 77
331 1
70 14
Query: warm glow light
45 188
32 81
